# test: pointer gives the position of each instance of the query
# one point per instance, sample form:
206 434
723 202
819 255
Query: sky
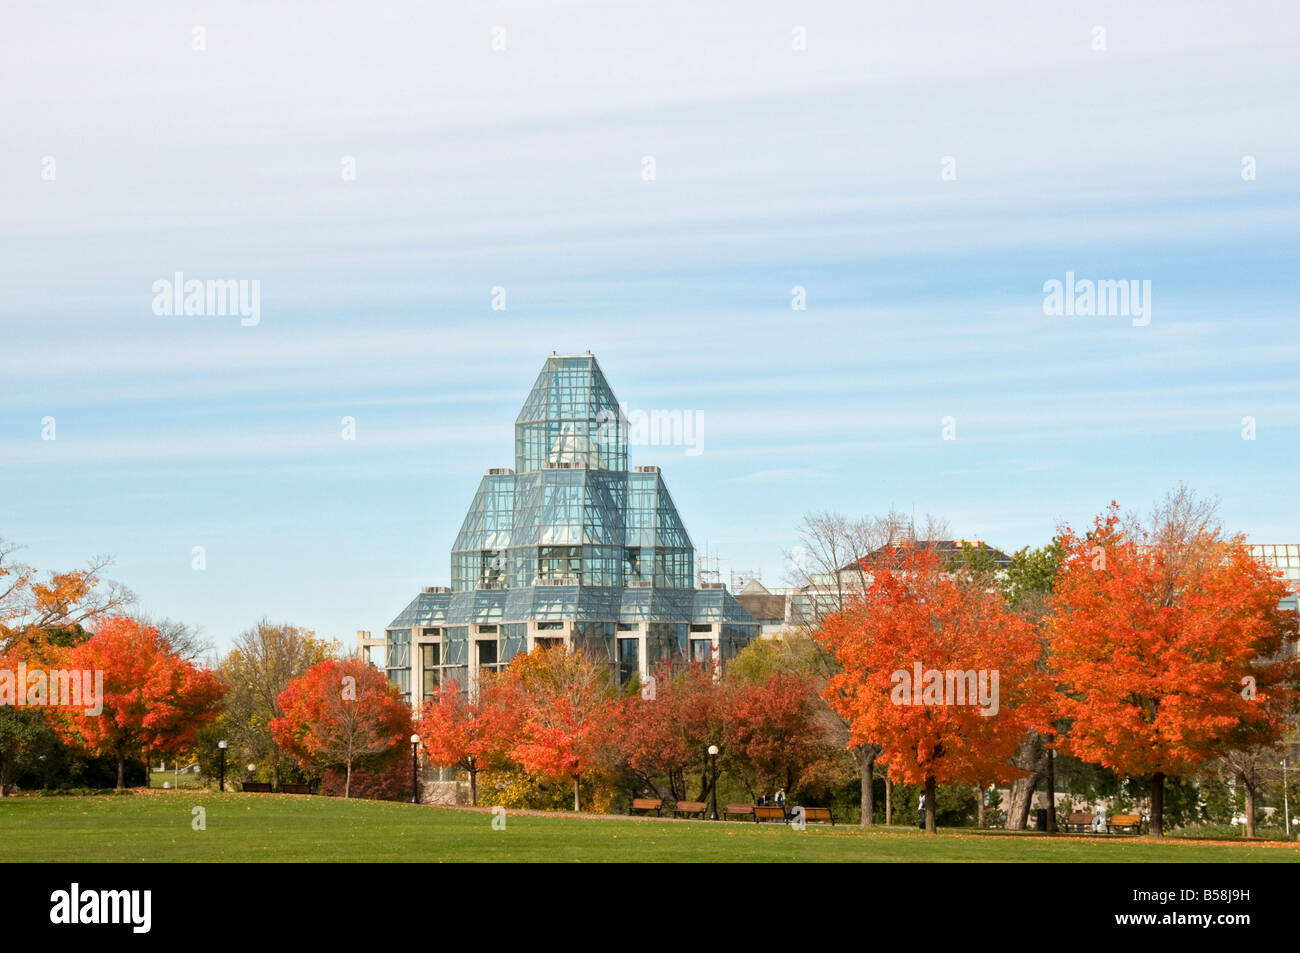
921 171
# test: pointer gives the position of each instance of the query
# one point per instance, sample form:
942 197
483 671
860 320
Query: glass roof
571 533
571 417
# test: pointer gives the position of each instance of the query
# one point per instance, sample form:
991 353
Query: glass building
1284 557
570 547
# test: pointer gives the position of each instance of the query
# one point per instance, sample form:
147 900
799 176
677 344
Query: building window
487 655
430 662
398 663
629 659
701 650
560 562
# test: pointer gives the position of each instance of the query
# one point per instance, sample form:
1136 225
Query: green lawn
158 778
252 827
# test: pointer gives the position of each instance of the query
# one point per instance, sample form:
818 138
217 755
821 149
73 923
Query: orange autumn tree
561 720
463 733
154 702
770 731
32 609
937 671
665 729
342 713
1168 648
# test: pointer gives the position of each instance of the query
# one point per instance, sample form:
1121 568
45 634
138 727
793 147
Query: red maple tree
459 732
665 730
341 713
154 702
561 720
919 617
770 731
1167 655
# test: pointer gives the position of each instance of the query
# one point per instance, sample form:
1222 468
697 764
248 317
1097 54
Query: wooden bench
295 789
770 812
687 808
648 804
818 814
1080 822
1124 823
256 787
739 810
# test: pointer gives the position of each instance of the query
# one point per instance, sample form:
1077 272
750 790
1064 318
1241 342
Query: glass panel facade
430 673
1282 557
596 639
514 639
397 665
571 417
455 656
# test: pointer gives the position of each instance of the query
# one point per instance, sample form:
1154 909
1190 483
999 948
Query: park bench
1124 823
818 814
647 804
1080 822
687 808
257 787
770 812
295 789
739 810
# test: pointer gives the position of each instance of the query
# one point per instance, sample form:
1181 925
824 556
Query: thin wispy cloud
779 174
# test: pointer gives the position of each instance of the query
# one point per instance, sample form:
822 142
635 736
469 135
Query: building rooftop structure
1285 558
767 607
569 546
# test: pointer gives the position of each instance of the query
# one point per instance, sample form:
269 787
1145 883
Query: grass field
252 827
176 779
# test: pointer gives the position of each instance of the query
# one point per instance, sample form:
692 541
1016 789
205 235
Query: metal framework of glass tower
568 547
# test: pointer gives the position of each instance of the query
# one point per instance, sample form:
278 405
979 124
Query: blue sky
522 168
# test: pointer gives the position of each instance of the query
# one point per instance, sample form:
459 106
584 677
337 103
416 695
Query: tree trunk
931 808
1020 802
1051 789
864 757
979 805
473 787
576 806
347 783
121 772
705 786
275 774
1157 804
1250 808
1028 758
889 800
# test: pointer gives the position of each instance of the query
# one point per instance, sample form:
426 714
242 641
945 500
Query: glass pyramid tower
569 546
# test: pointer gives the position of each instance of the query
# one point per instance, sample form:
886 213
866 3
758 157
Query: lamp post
221 770
1286 801
713 787
415 769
